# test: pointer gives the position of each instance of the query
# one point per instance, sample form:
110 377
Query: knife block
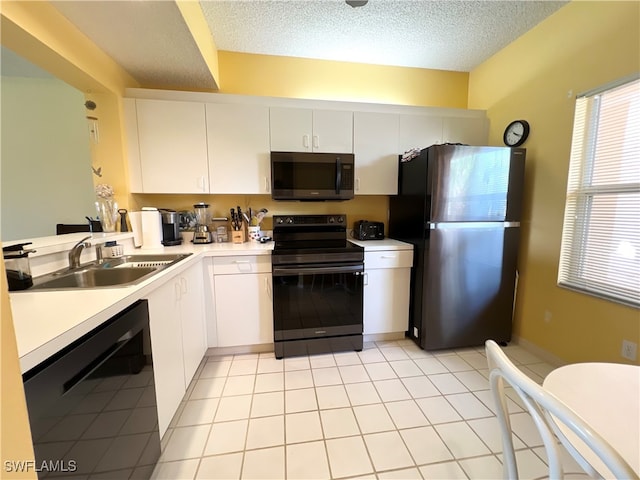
237 236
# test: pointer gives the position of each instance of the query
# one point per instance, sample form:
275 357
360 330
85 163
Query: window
600 252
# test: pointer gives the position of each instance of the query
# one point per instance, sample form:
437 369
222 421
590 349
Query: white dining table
607 397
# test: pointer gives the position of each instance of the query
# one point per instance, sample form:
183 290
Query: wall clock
516 133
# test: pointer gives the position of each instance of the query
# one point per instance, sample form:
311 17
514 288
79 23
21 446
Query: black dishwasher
92 406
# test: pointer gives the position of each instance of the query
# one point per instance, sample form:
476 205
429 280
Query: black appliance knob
289 220
332 220
340 220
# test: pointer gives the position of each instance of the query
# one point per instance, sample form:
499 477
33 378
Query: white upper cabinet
306 130
172 139
375 146
467 130
419 131
239 156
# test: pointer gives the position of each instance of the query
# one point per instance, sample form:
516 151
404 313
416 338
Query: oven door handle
289 271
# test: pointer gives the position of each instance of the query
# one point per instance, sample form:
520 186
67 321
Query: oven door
317 301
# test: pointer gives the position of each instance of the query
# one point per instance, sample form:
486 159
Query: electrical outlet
629 350
547 316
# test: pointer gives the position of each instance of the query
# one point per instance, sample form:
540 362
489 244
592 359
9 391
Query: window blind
600 253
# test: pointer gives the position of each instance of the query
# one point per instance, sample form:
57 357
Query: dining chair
545 410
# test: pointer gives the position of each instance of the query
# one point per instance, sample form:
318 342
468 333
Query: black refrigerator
460 207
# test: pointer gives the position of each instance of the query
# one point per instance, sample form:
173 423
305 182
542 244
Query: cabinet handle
316 141
244 266
387 256
267 287
183 285
201 183
178 290
305 141
358 184
365 280
267 187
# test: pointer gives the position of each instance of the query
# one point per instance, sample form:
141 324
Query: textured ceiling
150 39
442 35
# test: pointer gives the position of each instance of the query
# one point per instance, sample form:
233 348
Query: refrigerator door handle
442 225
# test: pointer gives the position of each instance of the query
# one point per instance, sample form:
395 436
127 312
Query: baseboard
539 352
268 347
382 337
239 350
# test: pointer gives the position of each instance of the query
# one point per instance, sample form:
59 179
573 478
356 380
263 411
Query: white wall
45 158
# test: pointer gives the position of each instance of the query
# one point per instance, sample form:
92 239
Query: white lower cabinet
243 300
191 297
386 291
176 317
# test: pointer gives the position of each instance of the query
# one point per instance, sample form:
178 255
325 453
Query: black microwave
312 176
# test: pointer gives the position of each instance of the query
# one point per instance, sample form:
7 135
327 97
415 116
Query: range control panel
309 220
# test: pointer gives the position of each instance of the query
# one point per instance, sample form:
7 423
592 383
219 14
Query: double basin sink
113 272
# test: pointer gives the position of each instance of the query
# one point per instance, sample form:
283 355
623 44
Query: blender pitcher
16 261
202 232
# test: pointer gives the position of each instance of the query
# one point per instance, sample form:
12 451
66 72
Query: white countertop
385 244
47 321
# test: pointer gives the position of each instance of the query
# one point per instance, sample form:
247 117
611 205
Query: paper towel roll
136 226
151 228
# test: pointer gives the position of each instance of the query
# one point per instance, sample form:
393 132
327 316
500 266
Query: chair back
545 410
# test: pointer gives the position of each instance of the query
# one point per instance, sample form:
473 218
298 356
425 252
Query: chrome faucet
74 253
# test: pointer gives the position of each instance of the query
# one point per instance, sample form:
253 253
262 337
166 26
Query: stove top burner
313 239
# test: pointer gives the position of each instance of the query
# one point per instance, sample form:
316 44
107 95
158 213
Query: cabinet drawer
388 259
241 264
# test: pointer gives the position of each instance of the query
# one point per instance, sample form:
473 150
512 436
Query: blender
202 233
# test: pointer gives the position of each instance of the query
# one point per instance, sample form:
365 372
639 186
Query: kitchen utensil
123 219
16 261
170 228
151 228
202 232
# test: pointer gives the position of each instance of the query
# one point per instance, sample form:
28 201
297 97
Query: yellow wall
582 46
274 76
372 207
15 435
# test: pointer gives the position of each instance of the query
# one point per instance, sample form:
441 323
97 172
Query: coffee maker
202 233
170 228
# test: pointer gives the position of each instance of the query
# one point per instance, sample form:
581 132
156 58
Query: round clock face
516 133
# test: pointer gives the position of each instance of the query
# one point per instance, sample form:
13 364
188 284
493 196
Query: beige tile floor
392 411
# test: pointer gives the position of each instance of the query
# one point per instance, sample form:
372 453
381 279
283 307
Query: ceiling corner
199 29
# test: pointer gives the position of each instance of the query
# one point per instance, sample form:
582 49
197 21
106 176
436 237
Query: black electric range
317 285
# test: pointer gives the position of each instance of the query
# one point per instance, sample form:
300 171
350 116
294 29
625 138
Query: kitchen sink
112 272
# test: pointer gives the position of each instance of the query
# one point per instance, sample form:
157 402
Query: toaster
364 230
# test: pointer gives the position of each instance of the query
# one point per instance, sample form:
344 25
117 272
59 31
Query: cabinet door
386 300
332 131
290 129
419 131
173 146
470 131
238 143
375 145
166 348
192 319
244 309
306 130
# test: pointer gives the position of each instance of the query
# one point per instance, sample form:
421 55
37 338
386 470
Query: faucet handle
84 240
